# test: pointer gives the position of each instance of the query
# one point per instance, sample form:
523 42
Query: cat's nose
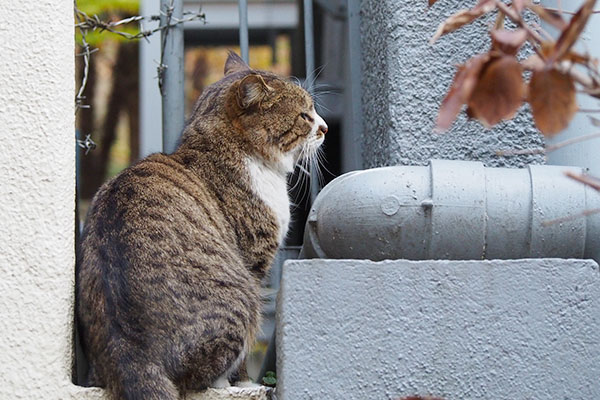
321 124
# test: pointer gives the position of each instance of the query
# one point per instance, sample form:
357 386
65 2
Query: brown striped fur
175 247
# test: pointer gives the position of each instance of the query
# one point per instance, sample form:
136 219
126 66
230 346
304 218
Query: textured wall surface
37 198
501 330
405 79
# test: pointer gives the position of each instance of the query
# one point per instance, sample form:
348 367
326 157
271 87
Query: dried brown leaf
508 42
550 16
571 33
463 17
552 99
464 82
547 49
578 58
499 91
432 2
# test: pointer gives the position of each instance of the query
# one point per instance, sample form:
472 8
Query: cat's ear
252 90
234 63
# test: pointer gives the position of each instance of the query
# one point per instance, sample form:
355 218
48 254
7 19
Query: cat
175 247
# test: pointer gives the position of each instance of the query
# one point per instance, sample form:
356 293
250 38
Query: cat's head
273 116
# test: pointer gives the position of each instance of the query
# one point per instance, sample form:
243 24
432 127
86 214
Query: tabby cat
175 247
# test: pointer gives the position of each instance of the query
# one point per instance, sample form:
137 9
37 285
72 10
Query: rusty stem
548 149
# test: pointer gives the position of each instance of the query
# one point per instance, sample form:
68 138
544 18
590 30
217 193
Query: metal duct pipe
453 210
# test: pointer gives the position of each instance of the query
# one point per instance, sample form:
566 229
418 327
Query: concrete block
498 330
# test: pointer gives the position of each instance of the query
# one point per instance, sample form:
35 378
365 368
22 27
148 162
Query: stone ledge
231 393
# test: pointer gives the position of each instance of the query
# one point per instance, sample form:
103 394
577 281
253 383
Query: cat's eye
307 117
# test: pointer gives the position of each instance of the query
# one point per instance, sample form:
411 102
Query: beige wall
37 192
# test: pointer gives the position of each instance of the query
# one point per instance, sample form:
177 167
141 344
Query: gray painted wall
405 79
584 154
501 330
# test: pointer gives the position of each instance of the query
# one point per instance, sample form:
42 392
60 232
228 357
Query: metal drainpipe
453 210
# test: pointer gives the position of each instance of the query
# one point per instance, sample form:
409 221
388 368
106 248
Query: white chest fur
270 184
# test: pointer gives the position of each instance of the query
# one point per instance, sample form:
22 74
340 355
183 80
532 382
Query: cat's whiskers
301 168
321 160
305 188
315 75
306 163
296 80
319 105
315 167
318 96
301 176
312 160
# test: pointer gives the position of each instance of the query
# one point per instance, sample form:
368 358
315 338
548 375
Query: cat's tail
140 380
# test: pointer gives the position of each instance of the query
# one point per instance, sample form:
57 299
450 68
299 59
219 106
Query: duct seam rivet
390 205
427 203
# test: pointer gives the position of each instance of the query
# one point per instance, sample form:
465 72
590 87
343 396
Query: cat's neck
231 166
269 183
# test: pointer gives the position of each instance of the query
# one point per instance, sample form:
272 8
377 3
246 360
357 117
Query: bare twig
95 23
556 10
589 81
517 19
585 179
550 148
568 218
79 98
86 23
160 70
512 152
542 31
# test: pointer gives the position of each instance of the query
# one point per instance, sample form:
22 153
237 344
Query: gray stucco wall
405 79
501 330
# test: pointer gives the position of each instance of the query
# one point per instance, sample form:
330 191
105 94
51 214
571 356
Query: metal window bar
309 56
171 79
244 45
